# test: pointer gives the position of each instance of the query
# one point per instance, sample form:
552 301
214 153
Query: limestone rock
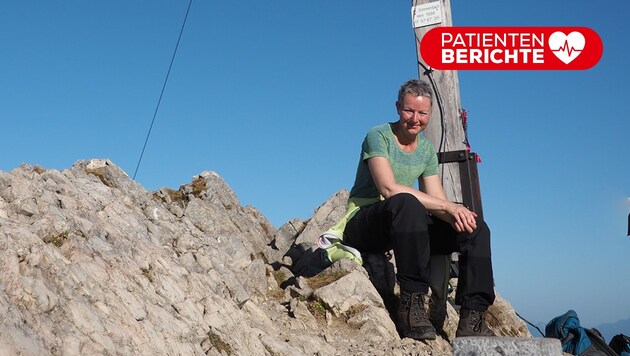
469 346
325 216
95 264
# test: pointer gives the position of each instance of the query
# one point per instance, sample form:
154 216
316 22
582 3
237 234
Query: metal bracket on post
471 192
467 162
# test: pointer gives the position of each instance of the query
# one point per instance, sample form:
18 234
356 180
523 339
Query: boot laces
415 305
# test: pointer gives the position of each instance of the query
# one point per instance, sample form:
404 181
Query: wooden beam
444 131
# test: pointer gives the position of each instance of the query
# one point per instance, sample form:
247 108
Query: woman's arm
457 215
433 198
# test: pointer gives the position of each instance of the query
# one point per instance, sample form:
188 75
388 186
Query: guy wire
181 31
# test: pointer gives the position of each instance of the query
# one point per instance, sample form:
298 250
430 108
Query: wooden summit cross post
458 168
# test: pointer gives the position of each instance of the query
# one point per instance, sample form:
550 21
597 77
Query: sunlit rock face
93 263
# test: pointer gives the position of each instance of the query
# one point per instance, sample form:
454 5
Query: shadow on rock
307 261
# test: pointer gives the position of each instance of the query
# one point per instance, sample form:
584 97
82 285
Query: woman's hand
462 218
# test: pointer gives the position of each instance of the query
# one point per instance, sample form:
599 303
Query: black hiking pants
403 224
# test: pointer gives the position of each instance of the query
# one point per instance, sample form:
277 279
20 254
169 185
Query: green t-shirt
407 166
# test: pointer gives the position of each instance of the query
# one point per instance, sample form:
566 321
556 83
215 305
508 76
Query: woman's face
414 113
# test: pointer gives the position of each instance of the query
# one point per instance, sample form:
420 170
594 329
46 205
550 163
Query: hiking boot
412 317
471 323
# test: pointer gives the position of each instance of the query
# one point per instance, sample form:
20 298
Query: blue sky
277 96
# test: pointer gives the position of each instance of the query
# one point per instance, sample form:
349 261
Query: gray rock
349 291
95 264
327 215
283 240
500 346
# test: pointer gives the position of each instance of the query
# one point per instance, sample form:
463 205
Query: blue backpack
576 339
620 344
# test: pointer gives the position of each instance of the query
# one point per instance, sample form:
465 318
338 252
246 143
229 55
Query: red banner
511 48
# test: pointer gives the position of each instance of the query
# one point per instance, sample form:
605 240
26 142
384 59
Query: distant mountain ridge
609 330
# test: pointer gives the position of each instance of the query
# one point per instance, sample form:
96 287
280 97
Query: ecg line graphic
567 49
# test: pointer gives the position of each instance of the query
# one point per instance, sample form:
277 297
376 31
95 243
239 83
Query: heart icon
566 47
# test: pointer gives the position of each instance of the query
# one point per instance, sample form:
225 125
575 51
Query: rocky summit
94 264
